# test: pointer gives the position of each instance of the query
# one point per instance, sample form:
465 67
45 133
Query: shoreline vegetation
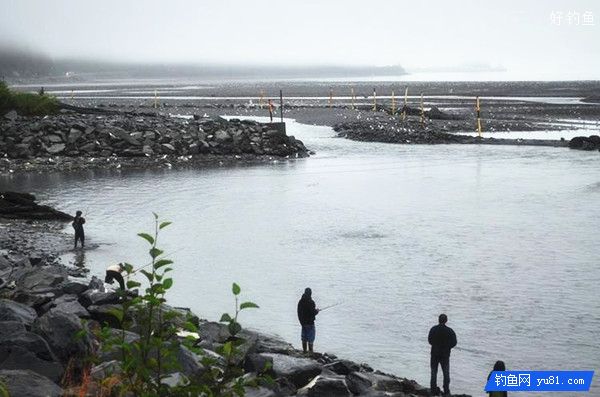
63 334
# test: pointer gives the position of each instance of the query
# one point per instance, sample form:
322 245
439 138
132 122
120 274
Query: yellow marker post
393 103
353 97
478 110
155 99
405 102
330 98
374 100
422 112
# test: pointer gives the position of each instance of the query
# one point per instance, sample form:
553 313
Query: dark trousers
444 361
79 236
112 275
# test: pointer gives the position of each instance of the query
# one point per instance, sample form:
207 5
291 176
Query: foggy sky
516 35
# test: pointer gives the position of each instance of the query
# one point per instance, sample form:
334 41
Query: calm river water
503 239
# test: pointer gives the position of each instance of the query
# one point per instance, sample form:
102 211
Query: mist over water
501 238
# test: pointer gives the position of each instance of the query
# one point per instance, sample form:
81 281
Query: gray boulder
12 115
30 342
191 364
96 297
74 287
259 392
326 386
298 370
113 353
105 369
343 367
8 328
21 383
45 279
16 357
96 284
13 311
73 307
61 331
56 148
105 314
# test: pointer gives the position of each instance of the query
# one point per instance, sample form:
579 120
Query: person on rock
442 339
307 311
77 224
499 366
115 272
271 109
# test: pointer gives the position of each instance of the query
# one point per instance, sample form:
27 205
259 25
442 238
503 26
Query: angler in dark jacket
77 224
307 311
499 366
442 339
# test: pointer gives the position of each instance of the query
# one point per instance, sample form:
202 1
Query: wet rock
74 287
61 330
72 307
113 353
11 115
105 370
14 205
191 363
326 386
28 341
343 367
18 358
104 314
96 284
56 148
35 300
44 279
8 328
259 392
97 298
358 382
28 383
13 311
298 370
213 332
74 135
585 143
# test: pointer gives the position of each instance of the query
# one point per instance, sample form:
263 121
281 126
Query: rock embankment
585 143
15 205
408 132
130 135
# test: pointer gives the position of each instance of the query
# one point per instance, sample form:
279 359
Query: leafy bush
145 364
26 104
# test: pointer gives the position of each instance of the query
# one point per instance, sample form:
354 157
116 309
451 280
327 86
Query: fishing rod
153 261
330 306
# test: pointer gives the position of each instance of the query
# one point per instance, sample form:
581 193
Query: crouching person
115 272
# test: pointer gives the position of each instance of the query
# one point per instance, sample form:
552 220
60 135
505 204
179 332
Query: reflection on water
503 239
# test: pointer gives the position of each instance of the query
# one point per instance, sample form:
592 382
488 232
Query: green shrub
26 104
146 362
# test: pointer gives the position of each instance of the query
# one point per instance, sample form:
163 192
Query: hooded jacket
307 310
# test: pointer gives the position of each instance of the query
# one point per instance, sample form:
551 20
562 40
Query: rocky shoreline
46 306
75 140
412 132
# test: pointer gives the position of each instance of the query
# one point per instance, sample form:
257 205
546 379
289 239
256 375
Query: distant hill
18 64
